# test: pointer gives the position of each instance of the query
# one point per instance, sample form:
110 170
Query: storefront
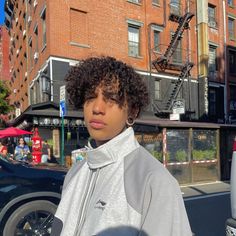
46 117
189 150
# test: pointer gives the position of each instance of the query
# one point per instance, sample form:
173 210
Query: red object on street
234 146
36 147
13 132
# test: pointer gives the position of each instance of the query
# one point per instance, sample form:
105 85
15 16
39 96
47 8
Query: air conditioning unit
24 33
16 19
212 24
35 3
26 74
11 39
17 51
36 55
29 19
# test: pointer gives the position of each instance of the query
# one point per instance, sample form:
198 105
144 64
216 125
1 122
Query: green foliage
181 156
200 155
157 155
50 142
5 108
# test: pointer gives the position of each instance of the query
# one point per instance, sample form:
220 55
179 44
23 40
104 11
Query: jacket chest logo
100 204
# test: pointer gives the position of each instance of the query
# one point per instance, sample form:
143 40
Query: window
232 91
135 1
175 7
133 40
155 2
36 38
230 3
30 53
231 29
232 62
212 16
44 30
212 102
78 27
157 92
156 38
212 63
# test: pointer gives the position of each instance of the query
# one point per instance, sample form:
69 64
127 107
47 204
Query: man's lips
97 124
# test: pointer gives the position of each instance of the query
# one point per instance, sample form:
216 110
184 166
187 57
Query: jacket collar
111 151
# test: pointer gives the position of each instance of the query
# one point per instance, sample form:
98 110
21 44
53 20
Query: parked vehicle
231 222
29 196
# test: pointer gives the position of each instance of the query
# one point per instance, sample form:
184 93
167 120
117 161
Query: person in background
3 148
21 150
46 152
119 184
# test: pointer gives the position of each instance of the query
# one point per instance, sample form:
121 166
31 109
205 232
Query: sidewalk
203 189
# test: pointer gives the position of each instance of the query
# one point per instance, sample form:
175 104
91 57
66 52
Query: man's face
104 118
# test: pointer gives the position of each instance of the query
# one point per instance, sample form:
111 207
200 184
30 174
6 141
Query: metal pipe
225 69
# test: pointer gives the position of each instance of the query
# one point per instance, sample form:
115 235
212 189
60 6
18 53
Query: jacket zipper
86 199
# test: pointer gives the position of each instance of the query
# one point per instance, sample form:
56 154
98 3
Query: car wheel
32 218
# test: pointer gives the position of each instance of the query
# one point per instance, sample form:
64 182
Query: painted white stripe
206 196
163 76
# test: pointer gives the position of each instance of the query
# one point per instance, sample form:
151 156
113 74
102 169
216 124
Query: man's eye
113 99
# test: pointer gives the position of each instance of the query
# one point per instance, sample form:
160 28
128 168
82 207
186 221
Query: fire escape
164 62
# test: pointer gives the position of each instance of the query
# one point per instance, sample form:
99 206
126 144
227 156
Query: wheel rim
36 223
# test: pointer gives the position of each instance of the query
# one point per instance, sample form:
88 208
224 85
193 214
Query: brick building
44 46
185 50
216 50
156 37
4 54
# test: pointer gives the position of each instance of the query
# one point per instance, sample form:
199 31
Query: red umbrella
13 132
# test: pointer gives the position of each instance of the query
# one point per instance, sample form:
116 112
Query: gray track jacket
120 190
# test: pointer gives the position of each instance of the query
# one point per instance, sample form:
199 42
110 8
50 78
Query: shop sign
178 106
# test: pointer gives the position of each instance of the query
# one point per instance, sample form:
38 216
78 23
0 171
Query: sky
2 12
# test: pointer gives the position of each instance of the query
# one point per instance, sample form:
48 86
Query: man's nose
99 106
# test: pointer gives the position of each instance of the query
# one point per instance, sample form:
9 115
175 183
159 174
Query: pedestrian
119 184
46 152
3 149
21 150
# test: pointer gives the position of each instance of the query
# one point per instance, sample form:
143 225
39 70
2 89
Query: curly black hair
83 79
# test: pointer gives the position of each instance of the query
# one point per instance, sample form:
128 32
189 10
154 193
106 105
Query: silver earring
130 121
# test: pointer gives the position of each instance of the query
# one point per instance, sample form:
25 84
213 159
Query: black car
29 195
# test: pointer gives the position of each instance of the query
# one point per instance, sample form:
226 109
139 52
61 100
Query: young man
119 187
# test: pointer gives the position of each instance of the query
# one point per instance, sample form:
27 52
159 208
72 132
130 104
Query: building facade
184 50
44 45
4 54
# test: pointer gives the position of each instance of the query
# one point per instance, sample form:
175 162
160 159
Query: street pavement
208 207
203 189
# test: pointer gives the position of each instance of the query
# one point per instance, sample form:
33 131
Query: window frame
43 16
231 33
130 42
215 59
157 91
155 45
231 4
232 54
212 18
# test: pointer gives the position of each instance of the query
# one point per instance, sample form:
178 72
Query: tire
31 219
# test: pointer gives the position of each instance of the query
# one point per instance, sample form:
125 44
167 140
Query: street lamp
46 83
